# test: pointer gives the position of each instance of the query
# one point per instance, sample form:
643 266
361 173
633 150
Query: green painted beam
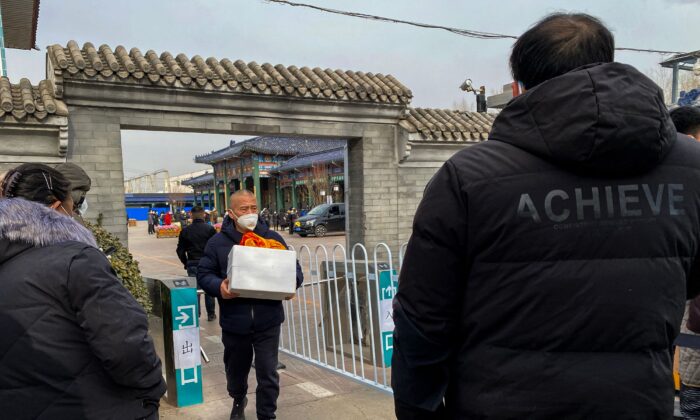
227 192
256 181
278 193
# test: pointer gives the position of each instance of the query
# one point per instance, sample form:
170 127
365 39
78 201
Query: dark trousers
690 402
238 356
208 300
408 412
151 229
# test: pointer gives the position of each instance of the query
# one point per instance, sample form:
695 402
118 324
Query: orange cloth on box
252 239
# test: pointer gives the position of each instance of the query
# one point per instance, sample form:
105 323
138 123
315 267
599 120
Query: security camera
467 86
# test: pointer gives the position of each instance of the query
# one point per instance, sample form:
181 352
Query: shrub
123 263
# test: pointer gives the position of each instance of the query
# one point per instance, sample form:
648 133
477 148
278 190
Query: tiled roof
271 145
24 100
447 125
308 159
165 69
207 178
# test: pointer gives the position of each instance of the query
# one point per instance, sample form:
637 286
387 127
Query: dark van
321 220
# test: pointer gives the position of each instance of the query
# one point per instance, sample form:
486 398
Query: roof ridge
301 155
441 124
22 100
120 65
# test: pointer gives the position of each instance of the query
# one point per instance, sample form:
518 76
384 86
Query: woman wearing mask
75 343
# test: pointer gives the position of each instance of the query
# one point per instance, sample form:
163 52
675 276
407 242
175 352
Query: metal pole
674 84
3 63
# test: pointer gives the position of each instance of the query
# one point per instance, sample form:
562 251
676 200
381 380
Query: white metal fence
341 317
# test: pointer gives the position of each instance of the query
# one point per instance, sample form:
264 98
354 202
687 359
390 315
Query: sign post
388 283
176 304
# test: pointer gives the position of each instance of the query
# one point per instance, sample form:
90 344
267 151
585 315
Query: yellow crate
167 233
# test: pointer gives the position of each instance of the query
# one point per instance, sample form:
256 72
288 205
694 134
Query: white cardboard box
262 273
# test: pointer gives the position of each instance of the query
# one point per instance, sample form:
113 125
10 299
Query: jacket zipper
252 315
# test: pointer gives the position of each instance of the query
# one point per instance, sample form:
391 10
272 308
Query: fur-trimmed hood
25 224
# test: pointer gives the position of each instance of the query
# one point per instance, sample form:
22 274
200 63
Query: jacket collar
32 224
228 228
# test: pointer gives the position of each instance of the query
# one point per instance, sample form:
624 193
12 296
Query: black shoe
211 317
238 411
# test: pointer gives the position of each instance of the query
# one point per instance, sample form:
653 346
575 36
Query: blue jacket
238 315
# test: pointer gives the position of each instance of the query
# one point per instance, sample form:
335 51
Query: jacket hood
601 119
27 224
228 228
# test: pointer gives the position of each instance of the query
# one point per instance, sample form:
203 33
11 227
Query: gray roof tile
103 63
433 124
271 146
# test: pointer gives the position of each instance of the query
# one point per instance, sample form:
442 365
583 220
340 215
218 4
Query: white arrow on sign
187 316
183 318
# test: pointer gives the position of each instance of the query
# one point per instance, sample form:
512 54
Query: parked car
321 220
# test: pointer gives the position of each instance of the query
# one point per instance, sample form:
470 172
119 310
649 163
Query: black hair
35 182
199 210
686 119
558 44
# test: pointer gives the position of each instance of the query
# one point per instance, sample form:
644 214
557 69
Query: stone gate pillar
95 145
373 188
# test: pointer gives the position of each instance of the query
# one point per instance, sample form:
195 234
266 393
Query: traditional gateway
92 93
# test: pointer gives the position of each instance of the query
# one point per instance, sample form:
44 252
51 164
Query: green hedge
126 267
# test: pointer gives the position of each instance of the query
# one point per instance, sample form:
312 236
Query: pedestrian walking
75 342
292 219
546 274
190 248
249 326
686 119
151 222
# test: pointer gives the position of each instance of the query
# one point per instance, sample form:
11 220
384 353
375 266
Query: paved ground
307 391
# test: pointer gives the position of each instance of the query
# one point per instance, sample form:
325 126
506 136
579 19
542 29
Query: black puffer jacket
75 343
238 315
546 275
192 240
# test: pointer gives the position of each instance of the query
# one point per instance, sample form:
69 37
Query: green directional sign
388 283
187 356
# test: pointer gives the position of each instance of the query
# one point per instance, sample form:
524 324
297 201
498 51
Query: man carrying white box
249 283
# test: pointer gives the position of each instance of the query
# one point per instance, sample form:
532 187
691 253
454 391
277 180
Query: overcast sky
431 63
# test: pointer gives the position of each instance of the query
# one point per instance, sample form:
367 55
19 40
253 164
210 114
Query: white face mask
248 221
83 207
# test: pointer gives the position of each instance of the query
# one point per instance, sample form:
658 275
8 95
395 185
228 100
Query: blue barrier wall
138 213
141 213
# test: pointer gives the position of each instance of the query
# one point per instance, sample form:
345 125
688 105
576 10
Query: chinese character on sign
187 347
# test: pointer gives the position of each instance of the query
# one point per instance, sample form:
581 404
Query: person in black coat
249 326
686 119
75 343
548 267
151 223
190 248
